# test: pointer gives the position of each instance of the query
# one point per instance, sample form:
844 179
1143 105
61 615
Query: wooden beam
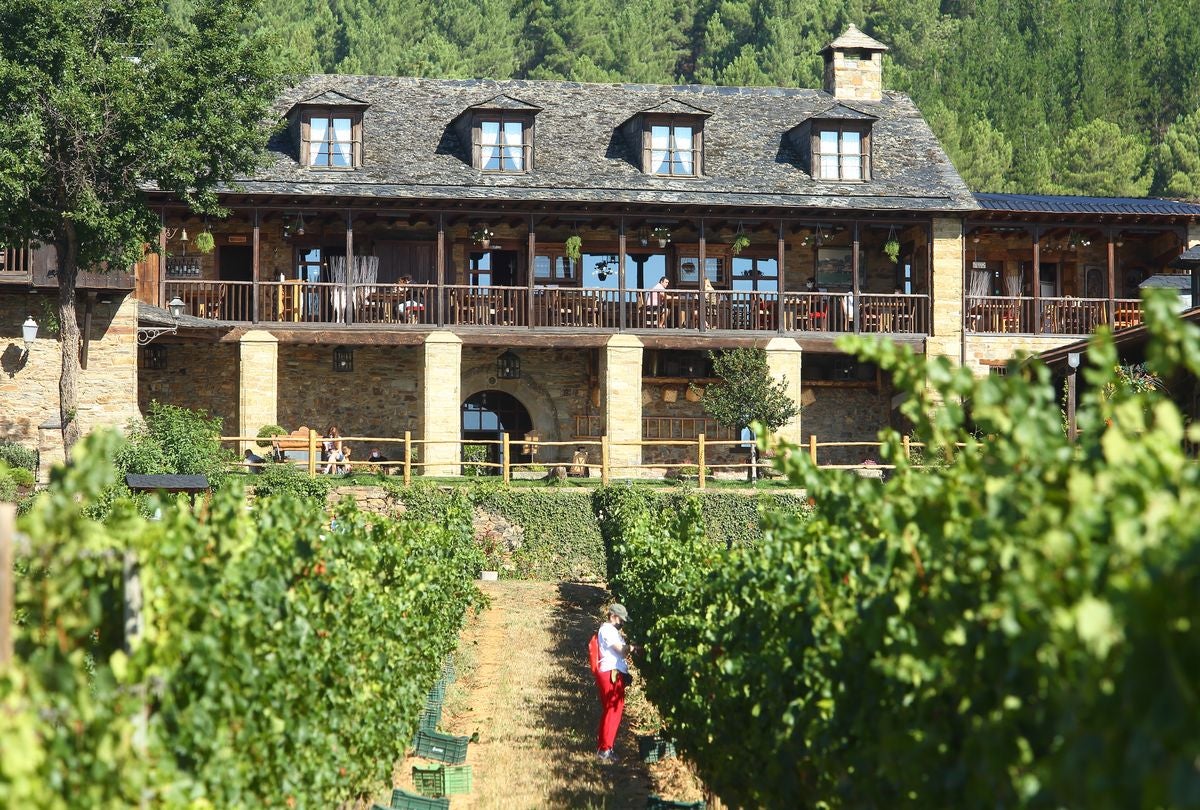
256 269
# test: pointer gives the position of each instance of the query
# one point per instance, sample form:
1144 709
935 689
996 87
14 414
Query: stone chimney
854 66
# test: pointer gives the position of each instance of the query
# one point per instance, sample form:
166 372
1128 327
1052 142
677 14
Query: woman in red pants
612 676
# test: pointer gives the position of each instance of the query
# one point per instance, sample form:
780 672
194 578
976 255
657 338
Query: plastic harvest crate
657 803
403 800
654 748
442 780
431 715
442 747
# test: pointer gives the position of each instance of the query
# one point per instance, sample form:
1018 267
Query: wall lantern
176 306
343 358
508 366
156 357
29 332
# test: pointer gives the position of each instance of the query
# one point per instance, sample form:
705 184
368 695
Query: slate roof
412 149
1189 258
853 39
1051 204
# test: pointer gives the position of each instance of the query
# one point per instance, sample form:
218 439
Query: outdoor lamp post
1073 363
176 306
29 331
508 366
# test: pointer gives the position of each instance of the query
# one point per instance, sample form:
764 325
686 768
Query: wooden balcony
38 266
1022 315
425 306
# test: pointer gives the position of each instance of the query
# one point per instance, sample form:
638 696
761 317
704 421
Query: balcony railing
601 309
995 314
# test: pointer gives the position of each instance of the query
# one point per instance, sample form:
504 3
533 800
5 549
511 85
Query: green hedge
18 456
564 530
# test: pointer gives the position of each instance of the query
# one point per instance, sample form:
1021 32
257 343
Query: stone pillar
947 295
441 404
783 359
621 401
258 383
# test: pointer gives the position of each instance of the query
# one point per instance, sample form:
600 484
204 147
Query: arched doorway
488 414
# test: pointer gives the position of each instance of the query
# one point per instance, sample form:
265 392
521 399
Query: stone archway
546 418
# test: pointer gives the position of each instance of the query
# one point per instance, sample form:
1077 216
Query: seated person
377 458
254 462
410 309
655 300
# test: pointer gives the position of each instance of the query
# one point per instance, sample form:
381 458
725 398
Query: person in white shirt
612 678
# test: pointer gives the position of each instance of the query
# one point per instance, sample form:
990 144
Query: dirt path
527 689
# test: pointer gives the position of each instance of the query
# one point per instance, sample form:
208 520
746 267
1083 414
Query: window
503 144
553 269
841 153
673 150
688 276
755 274
332 140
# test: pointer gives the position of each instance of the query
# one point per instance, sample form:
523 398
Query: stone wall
380 397
554 387
846 414
987 351
29 384
198 375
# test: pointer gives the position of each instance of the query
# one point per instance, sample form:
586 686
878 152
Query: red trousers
612 706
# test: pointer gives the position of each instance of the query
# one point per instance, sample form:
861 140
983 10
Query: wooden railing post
907 441
812 447
505 467
312 453
604 471
407 457
700 458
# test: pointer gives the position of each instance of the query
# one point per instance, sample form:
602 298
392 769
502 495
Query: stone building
413 242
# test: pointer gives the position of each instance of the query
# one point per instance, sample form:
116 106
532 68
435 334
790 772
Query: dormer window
503 144
674 150
328 131
841 153
334 140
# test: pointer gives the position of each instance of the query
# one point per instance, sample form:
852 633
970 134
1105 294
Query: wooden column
1037 281
440 270
854 286
621 253
1112 280
256 270
703 274
779 284
162 261
349 267
529 311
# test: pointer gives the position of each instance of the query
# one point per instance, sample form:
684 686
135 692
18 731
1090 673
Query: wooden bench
292 446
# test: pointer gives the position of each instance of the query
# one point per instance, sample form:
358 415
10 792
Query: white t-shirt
610 659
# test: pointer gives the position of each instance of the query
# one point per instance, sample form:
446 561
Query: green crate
429 780
438 692
431 715
442 747
659 803
458 779
403 800
448 673
655 747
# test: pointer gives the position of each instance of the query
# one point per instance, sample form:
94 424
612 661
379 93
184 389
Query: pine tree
1178 158
1099 159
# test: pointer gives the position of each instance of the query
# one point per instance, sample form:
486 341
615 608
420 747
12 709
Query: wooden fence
412 461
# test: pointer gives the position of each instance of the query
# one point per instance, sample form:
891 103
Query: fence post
700 458
312 453
907 448
505 469
8 515
604 460
407 457
812 447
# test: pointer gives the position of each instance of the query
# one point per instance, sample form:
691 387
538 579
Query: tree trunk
68 321
754 460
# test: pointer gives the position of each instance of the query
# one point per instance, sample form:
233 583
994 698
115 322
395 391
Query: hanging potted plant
891 248
740 242
663 234
573 247
482 237
205 243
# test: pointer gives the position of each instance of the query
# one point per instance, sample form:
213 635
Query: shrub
18 456
266 432
282 478
175 440
474 456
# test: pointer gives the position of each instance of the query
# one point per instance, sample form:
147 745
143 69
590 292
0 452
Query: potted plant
663 234
573 247
205 242
740 242
482 237
891 248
